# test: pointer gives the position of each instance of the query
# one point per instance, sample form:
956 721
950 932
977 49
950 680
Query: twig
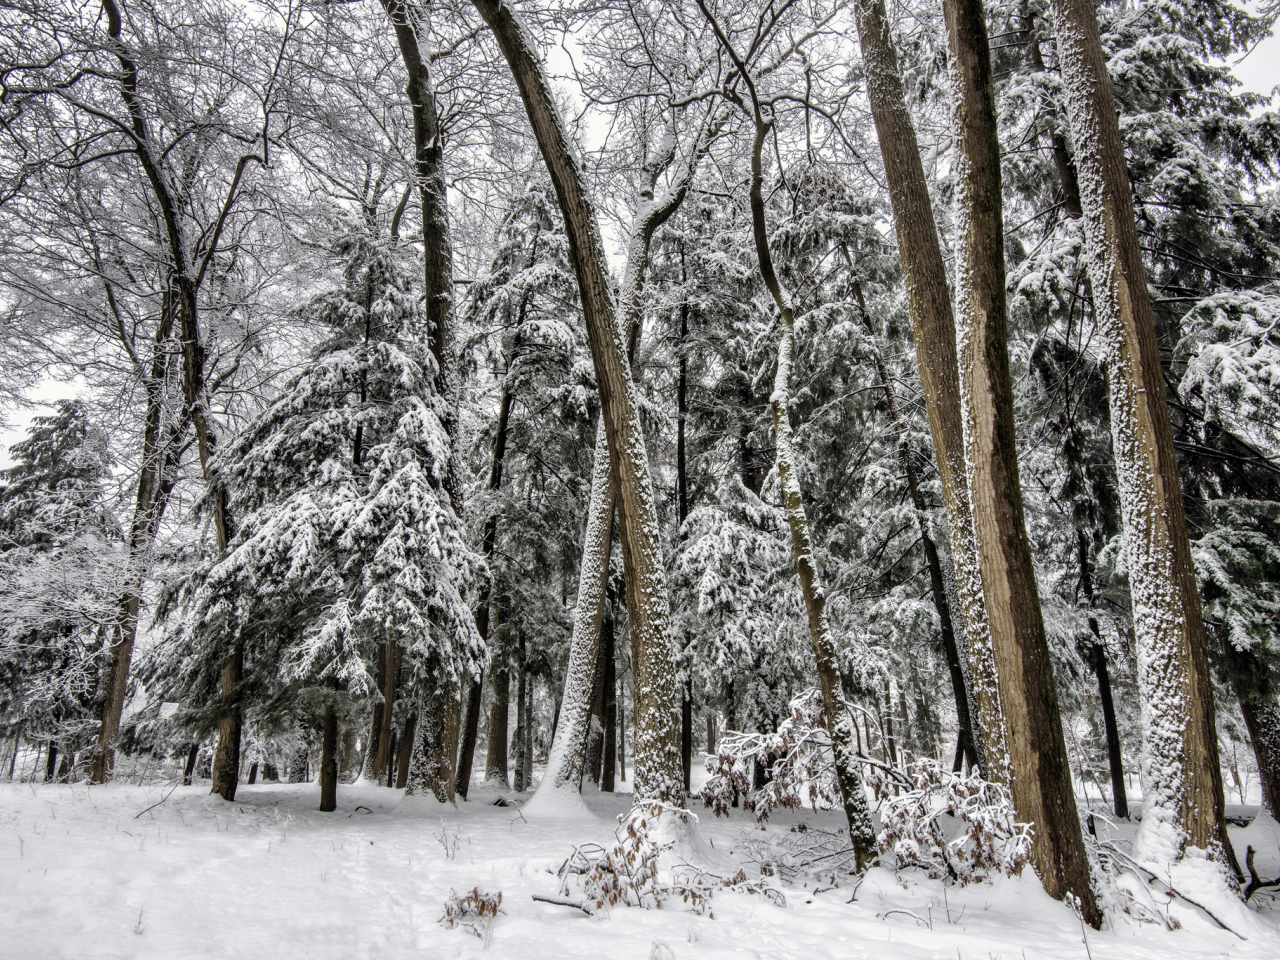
1255 883
561 903
160 801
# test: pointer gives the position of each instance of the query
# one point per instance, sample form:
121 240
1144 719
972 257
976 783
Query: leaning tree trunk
1184 804
1262 720
657 722
853 794
929 304
1040 775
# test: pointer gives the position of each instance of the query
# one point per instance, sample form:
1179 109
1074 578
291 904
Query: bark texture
495 758
1040 776
329 762
1184 803
933 326
656 746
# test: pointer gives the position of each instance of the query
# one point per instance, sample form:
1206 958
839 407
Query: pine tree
60 569
348 539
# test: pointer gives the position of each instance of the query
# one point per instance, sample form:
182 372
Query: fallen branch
1255 884
158 802
1155 878
555 901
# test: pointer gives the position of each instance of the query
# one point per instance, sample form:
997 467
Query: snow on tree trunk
929 304
1039 774
837 717
435 737
1182 777
657 721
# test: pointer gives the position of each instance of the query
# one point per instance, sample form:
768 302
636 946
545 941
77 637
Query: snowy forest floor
83 875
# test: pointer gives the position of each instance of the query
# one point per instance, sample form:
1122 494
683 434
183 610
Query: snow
81 874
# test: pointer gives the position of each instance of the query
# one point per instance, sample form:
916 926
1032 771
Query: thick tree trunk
1262 720
1039 774
253 773
329 762
495 761
470 733
435 738
657 747
226 762
348 758
530 679
929 304
372 748
1184 804
405 753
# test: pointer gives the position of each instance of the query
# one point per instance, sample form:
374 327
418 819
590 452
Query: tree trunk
517 748
329 762
405 753
192 754
435 737
1098 660
348 755
495 763
593 749
657 749
156 479
300 759
1184 804
371 750
1262 719
622 729
253 773
1039 773
861 834
226 763
530 679
391 682
610 761
929 304
470 733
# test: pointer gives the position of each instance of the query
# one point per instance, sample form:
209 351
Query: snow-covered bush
630 873
474 912
961 828
797 756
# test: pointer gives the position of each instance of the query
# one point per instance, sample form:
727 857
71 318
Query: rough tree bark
495 760
929 304
1040 776
1184 804
656 746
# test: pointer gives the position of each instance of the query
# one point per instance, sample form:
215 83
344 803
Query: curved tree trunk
656 746
837 717
1040 776
1184 804
929 304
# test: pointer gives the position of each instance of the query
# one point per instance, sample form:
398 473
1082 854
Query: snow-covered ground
91 872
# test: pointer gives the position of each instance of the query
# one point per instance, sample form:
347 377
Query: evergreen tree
348 539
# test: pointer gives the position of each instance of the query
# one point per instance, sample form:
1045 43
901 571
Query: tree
656 742
348 538
1184 805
